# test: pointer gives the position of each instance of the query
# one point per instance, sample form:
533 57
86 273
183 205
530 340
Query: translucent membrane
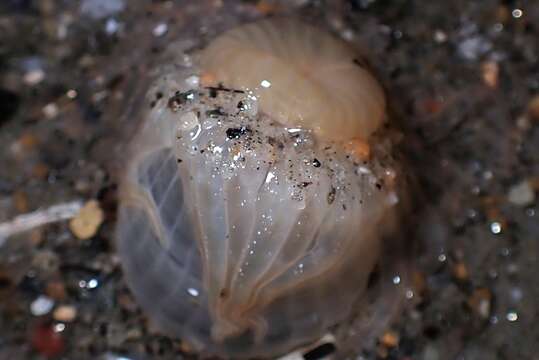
238 234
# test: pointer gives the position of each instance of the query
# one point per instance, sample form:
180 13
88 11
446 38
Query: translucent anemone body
245 234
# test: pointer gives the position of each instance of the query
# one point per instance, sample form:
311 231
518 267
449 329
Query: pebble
521 194
489 72
87 221
34 77
160 30
65 313
134 333
440 36
47 341
56 290
474 47
41 306
112 26
50 111
100 9
460 271
390 339
20 201
480 301
533 108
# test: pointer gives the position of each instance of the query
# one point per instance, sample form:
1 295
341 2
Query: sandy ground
463 82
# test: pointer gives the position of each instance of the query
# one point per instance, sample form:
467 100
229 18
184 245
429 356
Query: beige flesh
302 76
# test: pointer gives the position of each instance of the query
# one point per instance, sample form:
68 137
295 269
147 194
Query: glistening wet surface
462 81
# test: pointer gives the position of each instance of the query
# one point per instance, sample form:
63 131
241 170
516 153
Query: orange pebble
460 271
265 7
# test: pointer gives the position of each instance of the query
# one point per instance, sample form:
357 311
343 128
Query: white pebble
521 194
41 306
100 9
160 30
50 110
474 47
34 77
112 26
440 36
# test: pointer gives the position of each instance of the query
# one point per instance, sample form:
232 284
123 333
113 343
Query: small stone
524 123
50 111
480 302
27 142
533 108
65 313
34 77
474 47
112 26
100 9
41 306
46 341
489 72
440 36
133 334
40 171
36 236
71 94
266 7
160 30
87 221
419 282
521 194
20 201
56 290
184 347
390 339
460 271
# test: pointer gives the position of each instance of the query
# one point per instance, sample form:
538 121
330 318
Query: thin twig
39 217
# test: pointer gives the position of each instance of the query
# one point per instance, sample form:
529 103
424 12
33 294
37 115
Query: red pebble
46 341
